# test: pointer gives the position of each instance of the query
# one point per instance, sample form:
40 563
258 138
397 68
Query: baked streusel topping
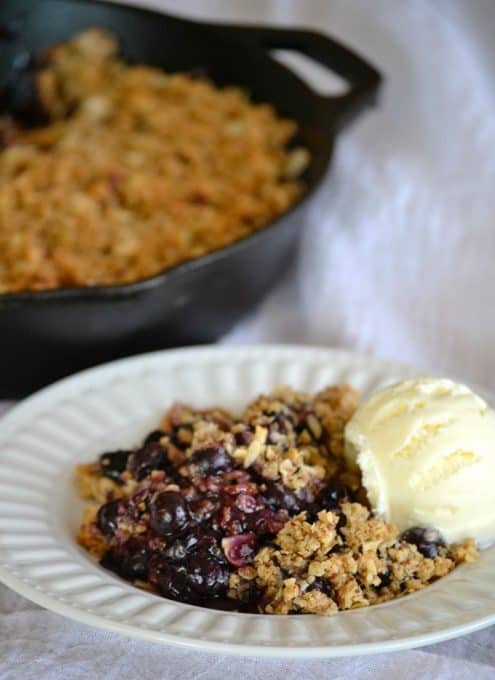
255 512
135 171
341 560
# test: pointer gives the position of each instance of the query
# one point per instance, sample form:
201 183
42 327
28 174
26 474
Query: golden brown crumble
317 567
298 458
136 171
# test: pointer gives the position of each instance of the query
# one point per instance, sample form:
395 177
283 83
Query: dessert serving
302 503
134 171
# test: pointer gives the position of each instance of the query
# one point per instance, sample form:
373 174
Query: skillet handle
363 78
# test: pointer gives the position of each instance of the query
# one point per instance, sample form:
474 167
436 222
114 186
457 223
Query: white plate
113 406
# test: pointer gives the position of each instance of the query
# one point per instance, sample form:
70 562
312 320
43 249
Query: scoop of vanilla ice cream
426 450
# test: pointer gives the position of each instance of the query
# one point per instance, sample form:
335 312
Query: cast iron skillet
45 335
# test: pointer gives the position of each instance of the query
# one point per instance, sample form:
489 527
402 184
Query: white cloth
397 260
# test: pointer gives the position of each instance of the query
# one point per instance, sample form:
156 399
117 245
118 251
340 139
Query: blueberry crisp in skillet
134 171
255 513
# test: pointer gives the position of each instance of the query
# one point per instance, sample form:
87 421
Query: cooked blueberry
203 510
322 585
245 502
212 460
206 575
156 564
154 436
172 580
333 495
176 552
239 550
150 457
385 578
169 514
135 566
129 560
106 518
110 561
180 548
428 549
231 519
428 541
421 535
113 463
265 521
414 535
210 544
244 438
277 495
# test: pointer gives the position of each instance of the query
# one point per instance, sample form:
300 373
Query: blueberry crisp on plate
256 512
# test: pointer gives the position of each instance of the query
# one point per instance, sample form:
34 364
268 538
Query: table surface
396 260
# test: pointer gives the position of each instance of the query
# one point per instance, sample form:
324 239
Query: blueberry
169 514
414 535
427 541
239 550
149 457
172 581
212 460
245 503
428 549
244 438
113 463
323 586
134 566
180 548
206 575
385 578
106 518
154 436
129 560
156 564
333 495
204 509
277 495
210 543
234 521
421 535
265 521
